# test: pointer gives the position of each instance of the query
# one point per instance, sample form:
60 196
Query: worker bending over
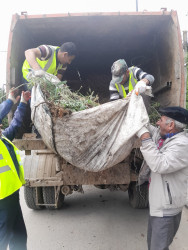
47 58
125 79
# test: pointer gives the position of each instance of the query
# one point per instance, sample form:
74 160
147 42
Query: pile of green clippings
59 95
153 113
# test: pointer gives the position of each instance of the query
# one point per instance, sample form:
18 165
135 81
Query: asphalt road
96 220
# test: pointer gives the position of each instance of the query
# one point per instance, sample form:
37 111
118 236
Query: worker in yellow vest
48 58
12 227
125 79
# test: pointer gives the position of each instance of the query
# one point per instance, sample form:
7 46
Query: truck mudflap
44 168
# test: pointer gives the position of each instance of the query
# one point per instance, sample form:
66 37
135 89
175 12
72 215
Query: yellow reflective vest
9 179
47 65
132 83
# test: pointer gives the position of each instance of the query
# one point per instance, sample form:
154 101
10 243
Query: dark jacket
17 120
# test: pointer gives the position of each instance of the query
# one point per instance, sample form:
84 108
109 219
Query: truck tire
49 198
30 197
138 195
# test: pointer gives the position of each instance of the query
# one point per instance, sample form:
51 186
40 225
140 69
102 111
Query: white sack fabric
93 139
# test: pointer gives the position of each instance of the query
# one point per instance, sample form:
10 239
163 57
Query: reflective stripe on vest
48 65
4 169
10 181
132 84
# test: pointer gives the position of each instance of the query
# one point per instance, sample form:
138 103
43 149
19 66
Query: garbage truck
149 40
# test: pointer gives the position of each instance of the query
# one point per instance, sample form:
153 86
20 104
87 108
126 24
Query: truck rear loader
149 40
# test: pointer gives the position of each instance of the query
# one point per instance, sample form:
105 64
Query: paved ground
96 220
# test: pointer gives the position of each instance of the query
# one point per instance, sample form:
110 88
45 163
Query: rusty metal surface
40 170
100 28
119 174
88 14
129 34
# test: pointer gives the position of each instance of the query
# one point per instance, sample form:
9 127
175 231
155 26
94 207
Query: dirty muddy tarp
93 139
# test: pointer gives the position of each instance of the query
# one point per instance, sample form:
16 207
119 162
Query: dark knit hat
176 113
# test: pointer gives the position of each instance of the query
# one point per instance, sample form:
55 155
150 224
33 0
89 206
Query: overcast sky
11 7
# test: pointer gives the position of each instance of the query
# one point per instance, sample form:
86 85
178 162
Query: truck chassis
49 178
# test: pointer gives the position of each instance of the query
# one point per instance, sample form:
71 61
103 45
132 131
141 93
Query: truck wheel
49 198
30 197
138 195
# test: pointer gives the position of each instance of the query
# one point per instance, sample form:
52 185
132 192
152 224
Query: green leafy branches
61 96
153 113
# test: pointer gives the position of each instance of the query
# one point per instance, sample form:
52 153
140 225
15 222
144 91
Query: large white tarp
94 139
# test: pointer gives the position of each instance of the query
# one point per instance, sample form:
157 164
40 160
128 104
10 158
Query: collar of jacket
169 135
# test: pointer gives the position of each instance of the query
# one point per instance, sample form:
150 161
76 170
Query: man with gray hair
125 79
165 153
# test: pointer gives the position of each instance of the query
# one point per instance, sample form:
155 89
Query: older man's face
164 126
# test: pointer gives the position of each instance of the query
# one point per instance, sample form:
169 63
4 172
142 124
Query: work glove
140 87
12 97
35 73
39 72
129 94
25 96
142 131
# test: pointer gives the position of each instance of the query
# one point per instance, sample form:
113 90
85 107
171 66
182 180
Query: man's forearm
31 56
5 108
145 136
16 122
149 79
146 81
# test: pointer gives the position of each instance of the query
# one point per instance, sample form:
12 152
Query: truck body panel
149 40
41 169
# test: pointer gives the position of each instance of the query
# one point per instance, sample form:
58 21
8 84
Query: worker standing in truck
12 226
47 58
125 79
165 152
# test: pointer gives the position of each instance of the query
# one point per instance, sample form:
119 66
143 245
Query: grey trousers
161 231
